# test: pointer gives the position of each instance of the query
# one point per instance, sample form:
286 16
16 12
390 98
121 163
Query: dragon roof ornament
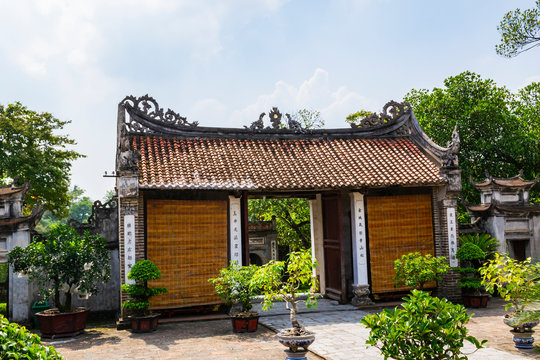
392 111
147 116
275 119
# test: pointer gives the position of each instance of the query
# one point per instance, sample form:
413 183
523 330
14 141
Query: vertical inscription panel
359 239
129 245
452 235
235 229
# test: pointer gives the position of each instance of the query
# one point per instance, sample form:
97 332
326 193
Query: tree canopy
520 31
31 150
292 219
498 129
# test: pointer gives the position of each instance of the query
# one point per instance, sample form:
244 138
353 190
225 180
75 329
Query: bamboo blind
397 225
187 240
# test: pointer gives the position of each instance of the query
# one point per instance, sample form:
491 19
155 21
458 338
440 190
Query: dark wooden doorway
333 247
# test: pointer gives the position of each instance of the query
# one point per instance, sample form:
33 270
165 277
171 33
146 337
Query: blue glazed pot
295 342
523 340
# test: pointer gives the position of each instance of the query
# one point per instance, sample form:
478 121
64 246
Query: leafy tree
292 219
284 280
64 262
109 195
80 209
357 116
31 150
498 130
309 118
520 31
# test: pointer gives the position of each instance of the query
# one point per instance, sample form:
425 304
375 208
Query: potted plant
142 319
283 280
518 283
63 263
415 270
472 258
412 331
233 285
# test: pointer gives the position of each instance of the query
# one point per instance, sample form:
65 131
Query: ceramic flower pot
523 339
143 324
245 324
510 321
295 342
57 325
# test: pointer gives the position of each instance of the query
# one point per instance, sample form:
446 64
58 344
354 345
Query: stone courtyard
339 336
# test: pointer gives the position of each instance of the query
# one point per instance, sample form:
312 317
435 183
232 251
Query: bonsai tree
19 343
64 262
471 255
233 285
517 282
415 270
284 280
141 272
424 328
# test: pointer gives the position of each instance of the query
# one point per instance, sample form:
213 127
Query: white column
317 247
235 225
129 246
360 269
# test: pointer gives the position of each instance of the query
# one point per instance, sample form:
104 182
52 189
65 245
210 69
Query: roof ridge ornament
450 157
275 117
391 112
148 107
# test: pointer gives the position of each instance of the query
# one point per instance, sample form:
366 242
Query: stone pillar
131 226
360 286
445 221
20 290
317 248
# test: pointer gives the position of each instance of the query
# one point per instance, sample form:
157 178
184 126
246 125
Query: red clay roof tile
281 164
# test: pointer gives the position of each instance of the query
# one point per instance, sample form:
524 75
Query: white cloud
315 93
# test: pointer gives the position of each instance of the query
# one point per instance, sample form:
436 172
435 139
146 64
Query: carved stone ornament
275 117
450 157
391 112
150 110
361 295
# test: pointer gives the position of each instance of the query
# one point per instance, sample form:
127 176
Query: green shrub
3 309
485 242
140 293
425 328
233 284
18 343
415 270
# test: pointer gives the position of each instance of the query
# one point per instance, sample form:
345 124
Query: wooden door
397 225
187 240
333 247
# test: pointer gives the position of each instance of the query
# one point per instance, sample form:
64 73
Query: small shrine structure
377 190
15 230
506 214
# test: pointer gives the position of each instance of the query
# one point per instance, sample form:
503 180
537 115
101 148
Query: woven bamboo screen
397 225
187 240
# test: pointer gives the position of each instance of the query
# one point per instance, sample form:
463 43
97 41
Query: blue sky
222 63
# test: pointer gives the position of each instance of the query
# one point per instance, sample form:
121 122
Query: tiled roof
281 164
